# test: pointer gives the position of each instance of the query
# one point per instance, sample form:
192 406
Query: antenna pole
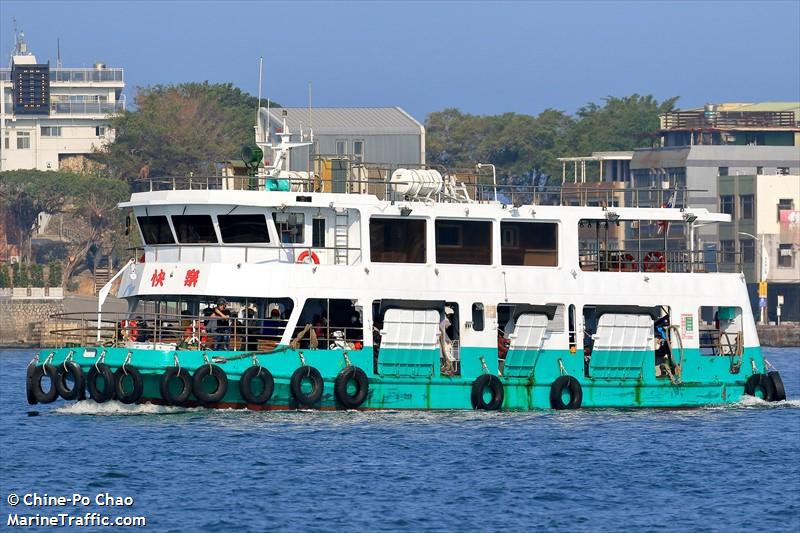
258 105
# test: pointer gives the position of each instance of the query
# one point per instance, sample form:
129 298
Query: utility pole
763 271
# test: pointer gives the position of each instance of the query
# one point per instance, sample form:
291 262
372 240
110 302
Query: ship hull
700 379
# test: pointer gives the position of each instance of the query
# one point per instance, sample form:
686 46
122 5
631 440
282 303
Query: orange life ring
196 331
129 330
655 262
306 255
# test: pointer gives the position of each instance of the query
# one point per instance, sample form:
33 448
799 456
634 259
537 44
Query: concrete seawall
27 323
783 336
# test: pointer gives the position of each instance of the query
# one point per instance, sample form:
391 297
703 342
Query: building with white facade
51 118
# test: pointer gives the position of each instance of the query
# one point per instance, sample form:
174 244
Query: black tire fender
65 370
218 375
494 385
96 373
29 383
133 395
761 382
777 383
557 389
246 385
295 385
351 401
37 390
181 375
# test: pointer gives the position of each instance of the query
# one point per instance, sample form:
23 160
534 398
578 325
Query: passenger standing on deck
221 315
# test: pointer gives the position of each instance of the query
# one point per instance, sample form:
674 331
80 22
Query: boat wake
90 407
753 402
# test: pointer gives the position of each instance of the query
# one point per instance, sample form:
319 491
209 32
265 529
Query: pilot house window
464 242
155 230
397 240
194 229
529 243
290 227
243 228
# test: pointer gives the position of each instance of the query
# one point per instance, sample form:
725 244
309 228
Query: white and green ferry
407 289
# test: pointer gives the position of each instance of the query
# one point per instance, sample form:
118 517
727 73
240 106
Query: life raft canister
308 257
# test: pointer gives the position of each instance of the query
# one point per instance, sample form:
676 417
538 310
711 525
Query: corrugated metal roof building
385 135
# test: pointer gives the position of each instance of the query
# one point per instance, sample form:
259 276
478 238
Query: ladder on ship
341 237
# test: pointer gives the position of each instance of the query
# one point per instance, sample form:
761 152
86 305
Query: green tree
5 276
26 193
22 277
54 272
37 275
178 129
522 144
91 198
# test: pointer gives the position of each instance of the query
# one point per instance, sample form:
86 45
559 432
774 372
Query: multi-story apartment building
765 231
52 117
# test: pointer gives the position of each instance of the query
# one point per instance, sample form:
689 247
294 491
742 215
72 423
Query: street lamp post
763 269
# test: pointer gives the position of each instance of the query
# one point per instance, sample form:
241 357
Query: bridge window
464 242
290 227
194 229
529 243
395 240
155 230
243 228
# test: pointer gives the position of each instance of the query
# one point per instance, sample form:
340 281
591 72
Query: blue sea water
731 468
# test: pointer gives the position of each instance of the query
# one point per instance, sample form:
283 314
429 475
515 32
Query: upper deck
459 221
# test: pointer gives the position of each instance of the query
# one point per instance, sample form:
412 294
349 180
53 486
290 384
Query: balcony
83 75
87 108
728 120
78 75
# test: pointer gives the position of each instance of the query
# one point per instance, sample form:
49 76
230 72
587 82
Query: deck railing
465 191
166 331
660 261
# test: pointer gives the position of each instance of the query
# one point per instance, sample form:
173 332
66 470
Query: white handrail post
103 294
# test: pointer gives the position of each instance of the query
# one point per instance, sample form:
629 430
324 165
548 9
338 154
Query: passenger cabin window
194 229
290 227
155 230
464 242
529 243
243 228
394 240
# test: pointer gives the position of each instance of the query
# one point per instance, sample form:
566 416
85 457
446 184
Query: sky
480 57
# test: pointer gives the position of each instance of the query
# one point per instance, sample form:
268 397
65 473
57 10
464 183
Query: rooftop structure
51 118
767 123
349 135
